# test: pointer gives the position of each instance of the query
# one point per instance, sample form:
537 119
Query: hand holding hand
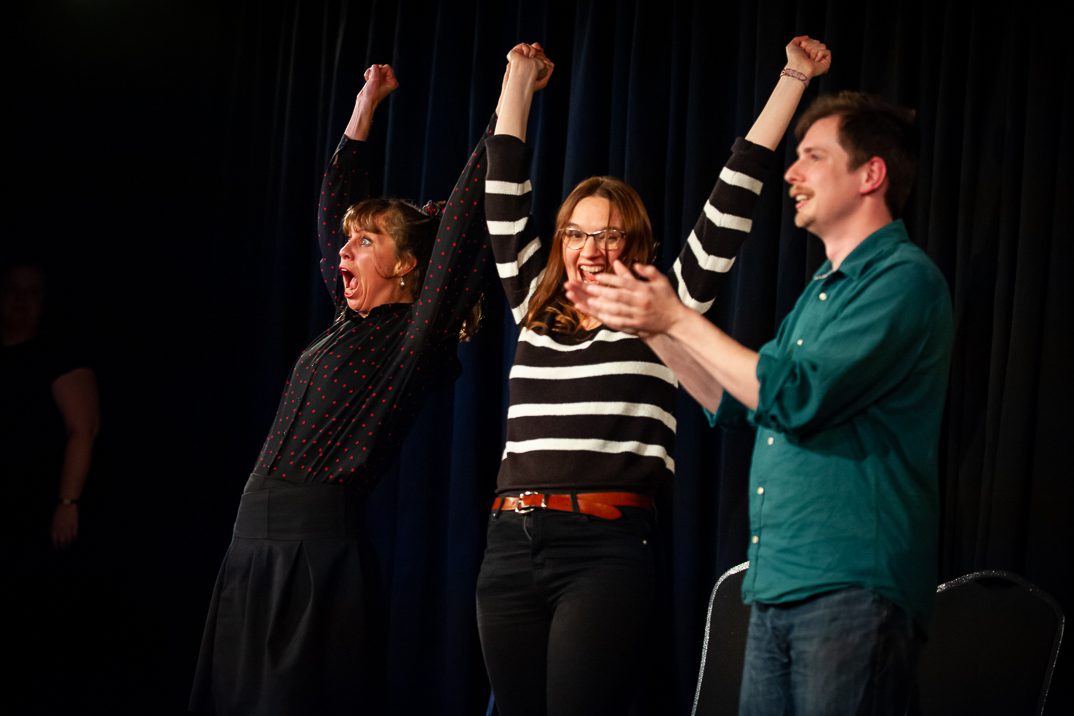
808 56
530 58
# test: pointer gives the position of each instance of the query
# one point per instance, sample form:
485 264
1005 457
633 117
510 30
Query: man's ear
874 173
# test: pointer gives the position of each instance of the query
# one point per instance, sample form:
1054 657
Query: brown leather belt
598 504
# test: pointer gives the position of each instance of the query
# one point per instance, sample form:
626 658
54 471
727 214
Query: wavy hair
549 308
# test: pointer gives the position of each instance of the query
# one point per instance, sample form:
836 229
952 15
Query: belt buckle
523 509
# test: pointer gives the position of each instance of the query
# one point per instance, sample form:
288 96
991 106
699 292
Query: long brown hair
549 308
414 231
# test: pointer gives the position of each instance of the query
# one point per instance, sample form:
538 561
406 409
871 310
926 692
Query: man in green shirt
847 401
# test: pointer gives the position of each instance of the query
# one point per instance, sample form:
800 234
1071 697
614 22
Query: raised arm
456 267
520 255
455 275
528 70
725 220
806 59
379 83
346 178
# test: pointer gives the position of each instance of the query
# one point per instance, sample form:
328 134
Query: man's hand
621 301
810 57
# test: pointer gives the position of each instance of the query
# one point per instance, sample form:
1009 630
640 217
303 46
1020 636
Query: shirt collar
876 244
383 309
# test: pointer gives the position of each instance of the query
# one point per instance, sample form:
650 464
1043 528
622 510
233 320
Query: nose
345 251
792 174
590 248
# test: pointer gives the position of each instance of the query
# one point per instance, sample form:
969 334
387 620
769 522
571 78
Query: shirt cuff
350 150
751 159
729 413
779 389
507 158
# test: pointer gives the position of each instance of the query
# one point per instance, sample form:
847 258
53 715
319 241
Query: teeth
592 269
800 197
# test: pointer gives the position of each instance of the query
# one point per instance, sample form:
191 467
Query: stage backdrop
169 158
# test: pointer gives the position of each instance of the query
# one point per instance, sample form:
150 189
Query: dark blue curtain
167 162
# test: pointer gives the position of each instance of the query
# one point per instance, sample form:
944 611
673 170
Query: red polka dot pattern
355 389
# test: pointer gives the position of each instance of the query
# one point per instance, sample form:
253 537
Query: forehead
822 134
370 223
595 212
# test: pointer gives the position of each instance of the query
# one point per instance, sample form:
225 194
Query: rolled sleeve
845 362
730 413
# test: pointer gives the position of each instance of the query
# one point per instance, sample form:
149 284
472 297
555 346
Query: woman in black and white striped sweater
566 586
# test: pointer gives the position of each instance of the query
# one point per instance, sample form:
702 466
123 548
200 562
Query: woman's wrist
795 73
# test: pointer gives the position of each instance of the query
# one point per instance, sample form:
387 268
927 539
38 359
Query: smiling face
825 190
590 215
371 268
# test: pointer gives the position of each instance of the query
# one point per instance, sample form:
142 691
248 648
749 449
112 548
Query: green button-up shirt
843 486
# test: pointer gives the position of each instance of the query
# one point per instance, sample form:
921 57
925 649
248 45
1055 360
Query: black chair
992 647
724 648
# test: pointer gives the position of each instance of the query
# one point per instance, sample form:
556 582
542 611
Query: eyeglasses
605 239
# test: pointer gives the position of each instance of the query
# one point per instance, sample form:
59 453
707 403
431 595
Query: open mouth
589 273
351 283
800 198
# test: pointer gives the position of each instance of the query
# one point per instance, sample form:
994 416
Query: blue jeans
564 606
844 652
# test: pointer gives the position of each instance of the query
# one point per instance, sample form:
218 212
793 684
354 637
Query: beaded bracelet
795 74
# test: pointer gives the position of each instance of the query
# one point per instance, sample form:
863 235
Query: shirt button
771 441
799 342
823 296
760 490
755 539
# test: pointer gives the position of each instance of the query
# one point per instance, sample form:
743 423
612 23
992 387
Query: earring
402 283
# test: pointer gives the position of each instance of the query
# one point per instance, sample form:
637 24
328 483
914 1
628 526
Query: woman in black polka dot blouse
287 631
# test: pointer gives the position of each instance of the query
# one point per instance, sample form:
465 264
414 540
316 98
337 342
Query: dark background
163 159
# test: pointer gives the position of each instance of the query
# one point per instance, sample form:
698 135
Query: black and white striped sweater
594 410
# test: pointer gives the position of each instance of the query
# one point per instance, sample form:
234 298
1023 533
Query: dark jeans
564 604
844 652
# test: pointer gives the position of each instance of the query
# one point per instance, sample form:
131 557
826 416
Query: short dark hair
872 127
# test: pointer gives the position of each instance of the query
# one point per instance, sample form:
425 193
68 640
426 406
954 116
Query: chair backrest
724 648
992 646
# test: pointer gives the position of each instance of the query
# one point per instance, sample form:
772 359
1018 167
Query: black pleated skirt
288 630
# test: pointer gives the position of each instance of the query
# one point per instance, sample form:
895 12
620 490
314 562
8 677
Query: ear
874 174
405 264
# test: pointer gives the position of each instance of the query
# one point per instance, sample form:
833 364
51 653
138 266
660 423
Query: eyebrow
573 225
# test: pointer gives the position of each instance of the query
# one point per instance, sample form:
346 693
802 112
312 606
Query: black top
355 389
32 433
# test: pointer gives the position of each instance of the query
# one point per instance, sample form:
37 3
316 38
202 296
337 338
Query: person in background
49 417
